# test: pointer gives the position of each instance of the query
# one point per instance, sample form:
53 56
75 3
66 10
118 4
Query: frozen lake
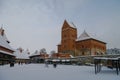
62 72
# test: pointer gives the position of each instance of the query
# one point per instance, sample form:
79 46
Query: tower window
73 46
82 46
64 35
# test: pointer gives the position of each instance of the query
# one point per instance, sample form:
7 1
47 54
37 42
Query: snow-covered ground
62 72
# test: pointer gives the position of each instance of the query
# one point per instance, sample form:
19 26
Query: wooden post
117 67
95 62
119 64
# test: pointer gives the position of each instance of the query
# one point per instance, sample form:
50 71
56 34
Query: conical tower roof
70 24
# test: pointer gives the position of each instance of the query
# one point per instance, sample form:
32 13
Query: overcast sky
36 24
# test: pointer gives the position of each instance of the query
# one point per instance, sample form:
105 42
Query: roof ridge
85 36
71 24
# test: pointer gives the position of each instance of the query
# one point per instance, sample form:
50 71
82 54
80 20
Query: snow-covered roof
71 24
3 34
21 55
5 38
104 58
85 36
59 43
35 53
71 56
4 52
4 42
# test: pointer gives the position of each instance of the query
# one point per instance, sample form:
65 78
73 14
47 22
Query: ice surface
62 72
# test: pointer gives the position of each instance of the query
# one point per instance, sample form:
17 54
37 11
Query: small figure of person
19 63
54 64
11 64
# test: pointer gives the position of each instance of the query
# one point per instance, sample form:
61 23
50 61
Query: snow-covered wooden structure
6 51
22 56
38 57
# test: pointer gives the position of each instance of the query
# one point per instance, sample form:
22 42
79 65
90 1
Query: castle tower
68 38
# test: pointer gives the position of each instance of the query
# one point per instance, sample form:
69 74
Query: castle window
64 46
73 41
73 46
64 41
82 46
73 36
83 53
64 35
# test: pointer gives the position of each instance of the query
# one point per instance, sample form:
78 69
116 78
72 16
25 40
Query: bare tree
36 52
52 52
43 50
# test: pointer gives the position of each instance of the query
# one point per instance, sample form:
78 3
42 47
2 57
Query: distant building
22 56
38 57
79 46
113 51
6 52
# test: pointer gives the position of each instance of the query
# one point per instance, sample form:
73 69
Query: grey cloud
30 23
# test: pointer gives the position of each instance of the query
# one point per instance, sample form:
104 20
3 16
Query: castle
83 45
